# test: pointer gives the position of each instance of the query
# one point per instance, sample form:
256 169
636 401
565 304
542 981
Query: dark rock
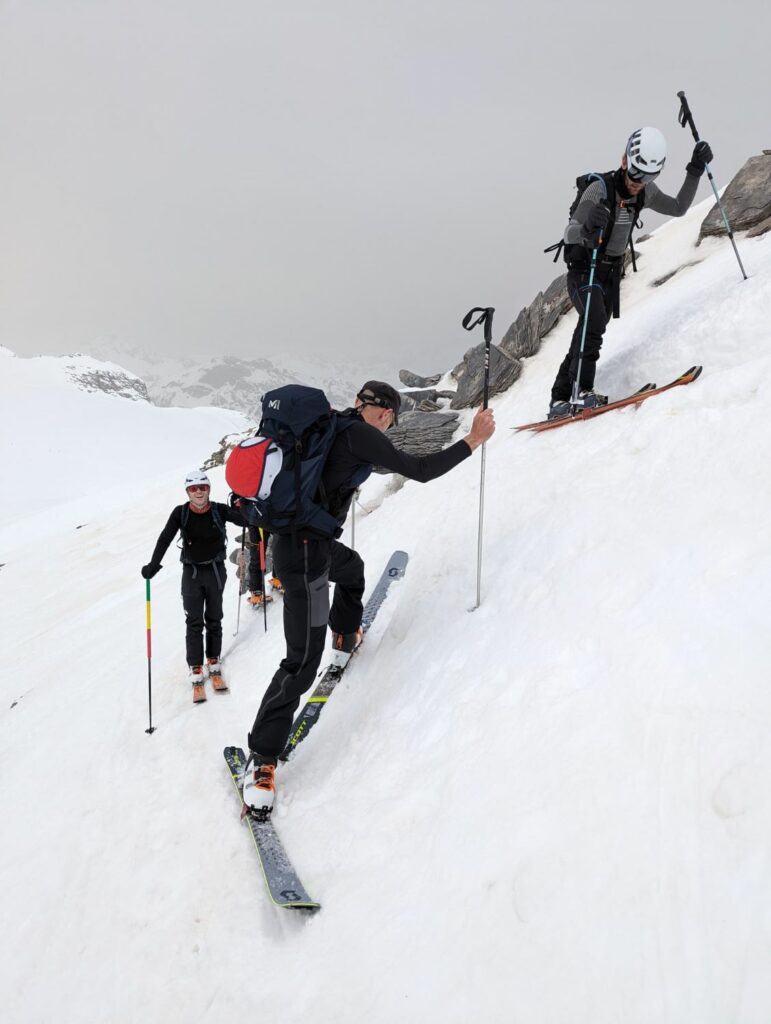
667 277
503 372
421 433
428 406
414 380
523 338
747 200
419 396
556 303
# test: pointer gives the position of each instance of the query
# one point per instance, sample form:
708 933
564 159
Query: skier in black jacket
202 525
604 218
307 564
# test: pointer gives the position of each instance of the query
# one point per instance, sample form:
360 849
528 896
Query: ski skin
639 396
330 676
286 891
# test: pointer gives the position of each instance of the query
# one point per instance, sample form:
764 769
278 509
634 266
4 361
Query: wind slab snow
556 810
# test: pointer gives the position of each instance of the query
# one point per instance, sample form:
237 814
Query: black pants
305 571
202 587
600 311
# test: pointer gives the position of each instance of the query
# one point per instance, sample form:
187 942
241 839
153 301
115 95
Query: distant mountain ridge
231 382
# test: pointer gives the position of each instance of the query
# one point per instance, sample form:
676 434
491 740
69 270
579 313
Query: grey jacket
655 199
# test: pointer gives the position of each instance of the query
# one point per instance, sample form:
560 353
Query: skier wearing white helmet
201 523
602 217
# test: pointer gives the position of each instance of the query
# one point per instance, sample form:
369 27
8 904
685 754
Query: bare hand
482 428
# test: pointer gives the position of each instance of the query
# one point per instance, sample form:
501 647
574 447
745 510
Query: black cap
377 392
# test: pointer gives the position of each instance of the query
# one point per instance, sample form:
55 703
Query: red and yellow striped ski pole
262 571
150 728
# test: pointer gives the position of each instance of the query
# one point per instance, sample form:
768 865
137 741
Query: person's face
198 495
633 187
377 416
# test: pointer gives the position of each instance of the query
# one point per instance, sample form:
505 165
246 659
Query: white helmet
646 153
195 476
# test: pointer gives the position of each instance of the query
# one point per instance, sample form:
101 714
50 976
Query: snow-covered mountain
555 810
231 382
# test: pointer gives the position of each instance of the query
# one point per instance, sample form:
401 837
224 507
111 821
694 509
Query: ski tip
693 373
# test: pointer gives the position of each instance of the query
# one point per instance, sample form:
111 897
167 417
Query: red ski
639 396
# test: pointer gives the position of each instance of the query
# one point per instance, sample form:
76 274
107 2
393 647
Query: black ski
285 888
330 677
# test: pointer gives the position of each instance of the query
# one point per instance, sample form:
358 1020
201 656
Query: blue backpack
275 476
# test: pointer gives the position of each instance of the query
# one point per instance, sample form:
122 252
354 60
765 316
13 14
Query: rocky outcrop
414 380
523 338
471 375
747 200
109 382
421 433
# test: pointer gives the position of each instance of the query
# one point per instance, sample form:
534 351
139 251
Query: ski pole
242 570
353 521
685 117
151 728
577 382
262 571
485 318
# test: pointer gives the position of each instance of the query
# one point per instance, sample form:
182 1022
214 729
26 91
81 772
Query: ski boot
215 674
343 646
259 790
195 676
558 409
257 600
590 399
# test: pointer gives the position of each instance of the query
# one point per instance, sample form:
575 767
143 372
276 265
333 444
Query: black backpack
275 476
577 257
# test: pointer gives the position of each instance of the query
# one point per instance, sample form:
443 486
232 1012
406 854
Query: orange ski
640 396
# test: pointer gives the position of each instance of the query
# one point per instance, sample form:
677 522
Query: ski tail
284 886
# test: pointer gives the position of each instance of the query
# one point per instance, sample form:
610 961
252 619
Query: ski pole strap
485 317
685 117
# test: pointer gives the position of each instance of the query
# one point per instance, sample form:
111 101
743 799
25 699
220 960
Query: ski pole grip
485 317
685 116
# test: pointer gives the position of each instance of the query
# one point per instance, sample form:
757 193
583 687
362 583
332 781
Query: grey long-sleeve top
655 199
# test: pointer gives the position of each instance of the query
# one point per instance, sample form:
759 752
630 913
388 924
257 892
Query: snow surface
554 810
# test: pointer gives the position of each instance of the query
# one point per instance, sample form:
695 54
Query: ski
285 888
639 396
330 677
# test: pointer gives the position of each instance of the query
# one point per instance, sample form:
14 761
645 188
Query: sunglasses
198 487
642 177
370 398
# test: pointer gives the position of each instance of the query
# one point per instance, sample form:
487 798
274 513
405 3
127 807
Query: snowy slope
553 811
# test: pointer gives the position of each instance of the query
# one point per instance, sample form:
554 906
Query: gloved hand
149 570
596 223
702 154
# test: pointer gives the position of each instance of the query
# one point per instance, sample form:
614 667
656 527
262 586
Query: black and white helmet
646 154
196 476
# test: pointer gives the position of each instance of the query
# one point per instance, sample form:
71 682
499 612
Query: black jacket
203 540
363 446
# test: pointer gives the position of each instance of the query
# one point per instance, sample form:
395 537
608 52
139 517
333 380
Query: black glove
702 154
596 223
149 570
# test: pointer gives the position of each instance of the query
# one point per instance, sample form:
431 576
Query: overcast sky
245 177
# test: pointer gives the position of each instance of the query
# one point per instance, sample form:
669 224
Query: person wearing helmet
603 218
200 522
307 563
